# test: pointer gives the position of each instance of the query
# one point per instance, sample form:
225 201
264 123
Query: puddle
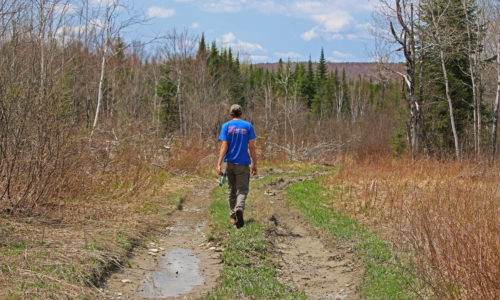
178 274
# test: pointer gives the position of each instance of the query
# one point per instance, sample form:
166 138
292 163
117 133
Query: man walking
237 138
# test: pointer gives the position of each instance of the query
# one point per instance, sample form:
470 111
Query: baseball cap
236 109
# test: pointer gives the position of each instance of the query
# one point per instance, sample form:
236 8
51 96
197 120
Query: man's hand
223 150
253 155
254 170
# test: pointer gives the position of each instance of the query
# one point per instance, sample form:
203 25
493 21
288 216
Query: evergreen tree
202 49
345 108
213 60
451 29
320 98
166 90
308 88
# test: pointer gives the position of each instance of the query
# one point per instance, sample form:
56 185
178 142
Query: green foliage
167 91
398 139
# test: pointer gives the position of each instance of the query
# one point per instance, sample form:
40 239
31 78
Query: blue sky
267 30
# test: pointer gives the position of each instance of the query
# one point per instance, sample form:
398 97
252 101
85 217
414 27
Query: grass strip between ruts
248 272
386 277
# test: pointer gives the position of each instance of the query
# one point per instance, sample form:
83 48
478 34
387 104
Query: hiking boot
239 219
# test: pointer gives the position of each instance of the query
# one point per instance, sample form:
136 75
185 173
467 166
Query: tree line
70 84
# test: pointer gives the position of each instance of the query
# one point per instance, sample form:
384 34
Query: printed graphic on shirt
234 130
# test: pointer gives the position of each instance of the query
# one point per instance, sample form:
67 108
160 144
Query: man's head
235 111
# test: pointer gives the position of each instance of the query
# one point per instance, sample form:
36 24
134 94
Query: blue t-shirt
237 133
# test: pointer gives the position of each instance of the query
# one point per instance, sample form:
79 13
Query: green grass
386 277
248 272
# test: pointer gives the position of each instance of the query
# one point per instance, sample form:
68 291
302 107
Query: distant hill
353 70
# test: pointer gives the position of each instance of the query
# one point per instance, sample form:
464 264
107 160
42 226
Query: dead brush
446 212
192 157
105 201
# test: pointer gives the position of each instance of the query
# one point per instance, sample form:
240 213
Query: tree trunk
472 54
179 104
450 103
497 103
101 80
446 83
407 41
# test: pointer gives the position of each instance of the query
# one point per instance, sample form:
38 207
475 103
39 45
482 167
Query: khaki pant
238 179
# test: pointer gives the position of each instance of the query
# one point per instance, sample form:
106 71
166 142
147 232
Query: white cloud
333 21
367 27
329 16
310 35
229 40
158 12
290 55
339 54
195 25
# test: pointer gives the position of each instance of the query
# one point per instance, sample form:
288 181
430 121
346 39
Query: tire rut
307 258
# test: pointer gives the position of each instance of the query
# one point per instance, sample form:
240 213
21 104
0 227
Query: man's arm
223 150
253 155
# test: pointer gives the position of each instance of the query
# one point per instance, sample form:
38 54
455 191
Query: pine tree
320 98
166 90
308 87
202 49
448 102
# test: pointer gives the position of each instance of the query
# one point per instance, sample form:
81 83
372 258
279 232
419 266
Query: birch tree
497 102
405 36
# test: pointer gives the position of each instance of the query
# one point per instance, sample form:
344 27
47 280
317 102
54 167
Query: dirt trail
309 259
182 255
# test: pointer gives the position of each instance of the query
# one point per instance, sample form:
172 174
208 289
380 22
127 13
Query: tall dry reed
445 212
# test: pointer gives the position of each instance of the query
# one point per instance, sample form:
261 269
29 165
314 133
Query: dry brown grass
445 212
112 196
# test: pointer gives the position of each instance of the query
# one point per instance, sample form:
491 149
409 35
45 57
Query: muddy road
178 264
181 264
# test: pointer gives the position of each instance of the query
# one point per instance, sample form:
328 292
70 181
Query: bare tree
402 18
112 25
473 51
497 102
178 47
